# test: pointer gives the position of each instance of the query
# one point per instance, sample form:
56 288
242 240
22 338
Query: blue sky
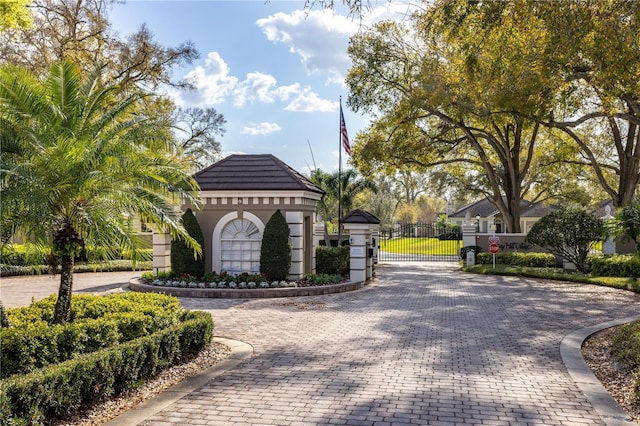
275 71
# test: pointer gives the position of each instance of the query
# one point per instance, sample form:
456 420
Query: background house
489 220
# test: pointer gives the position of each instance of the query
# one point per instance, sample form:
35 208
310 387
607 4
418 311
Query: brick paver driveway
424 344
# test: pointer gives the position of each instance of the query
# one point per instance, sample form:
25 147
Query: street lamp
478 222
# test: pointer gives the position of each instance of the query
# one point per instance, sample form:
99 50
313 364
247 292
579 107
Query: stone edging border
571 351
253 293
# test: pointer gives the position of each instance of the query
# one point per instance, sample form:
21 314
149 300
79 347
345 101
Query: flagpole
340 169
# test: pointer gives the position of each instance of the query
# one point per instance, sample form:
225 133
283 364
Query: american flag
343 133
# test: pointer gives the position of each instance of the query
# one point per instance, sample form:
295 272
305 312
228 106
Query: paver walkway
424 344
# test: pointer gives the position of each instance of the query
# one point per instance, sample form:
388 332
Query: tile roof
360 216
262 172
486 208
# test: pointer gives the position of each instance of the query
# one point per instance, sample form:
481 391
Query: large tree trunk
63 304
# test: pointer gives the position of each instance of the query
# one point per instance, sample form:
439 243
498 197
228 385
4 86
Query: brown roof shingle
253 172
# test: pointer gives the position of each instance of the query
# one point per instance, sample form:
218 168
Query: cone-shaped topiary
275 252
182 258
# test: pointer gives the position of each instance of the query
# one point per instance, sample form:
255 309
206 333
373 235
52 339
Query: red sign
494 239
493 248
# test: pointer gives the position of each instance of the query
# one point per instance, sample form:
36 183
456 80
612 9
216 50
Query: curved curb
253 293
240 352
571 351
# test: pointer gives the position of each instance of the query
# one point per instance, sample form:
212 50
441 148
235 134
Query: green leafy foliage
570 233
33 341
614 266
628 219
625 348
275 252
535 260
333 260
183 258
57 391
81 162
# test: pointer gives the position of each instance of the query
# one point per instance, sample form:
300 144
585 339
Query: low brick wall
254 293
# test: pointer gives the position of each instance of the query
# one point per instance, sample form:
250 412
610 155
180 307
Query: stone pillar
468 232
161 252
360 264
608 245
295 220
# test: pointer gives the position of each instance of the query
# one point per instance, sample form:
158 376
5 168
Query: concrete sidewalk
21 290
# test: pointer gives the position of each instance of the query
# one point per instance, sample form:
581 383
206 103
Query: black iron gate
420 242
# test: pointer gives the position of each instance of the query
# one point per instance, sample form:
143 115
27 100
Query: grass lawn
432 246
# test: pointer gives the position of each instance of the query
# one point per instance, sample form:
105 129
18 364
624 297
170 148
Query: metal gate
419 242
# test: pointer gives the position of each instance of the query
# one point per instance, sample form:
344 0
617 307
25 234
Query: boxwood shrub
533 260
614 266
60 390
96 323
333 260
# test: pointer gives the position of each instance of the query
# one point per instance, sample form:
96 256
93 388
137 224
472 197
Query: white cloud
308 101
212 83
319 37
263 128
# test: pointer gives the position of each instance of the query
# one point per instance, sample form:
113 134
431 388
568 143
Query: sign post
494 248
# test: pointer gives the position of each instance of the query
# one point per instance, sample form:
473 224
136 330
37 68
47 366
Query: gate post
468 232
360 225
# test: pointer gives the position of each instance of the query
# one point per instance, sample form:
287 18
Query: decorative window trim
216 242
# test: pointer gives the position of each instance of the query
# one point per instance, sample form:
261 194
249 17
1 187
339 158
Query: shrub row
107 266
333 260
533 260
96 322
625 348
31 254
614 266
60 390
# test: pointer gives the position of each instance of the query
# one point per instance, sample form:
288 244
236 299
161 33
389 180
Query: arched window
240 242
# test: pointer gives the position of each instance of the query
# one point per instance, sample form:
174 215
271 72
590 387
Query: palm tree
78 161
323 180
339 186
350 185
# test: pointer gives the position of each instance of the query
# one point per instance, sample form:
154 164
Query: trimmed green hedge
534 260
107 266
333 260
60 390
31 254
96 323
614 266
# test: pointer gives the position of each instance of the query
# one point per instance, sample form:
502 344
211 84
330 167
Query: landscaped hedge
333 260
534 260
106 266
614 266
59 390
31 254
96 323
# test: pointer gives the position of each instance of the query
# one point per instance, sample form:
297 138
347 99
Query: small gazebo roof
262 172
360 216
